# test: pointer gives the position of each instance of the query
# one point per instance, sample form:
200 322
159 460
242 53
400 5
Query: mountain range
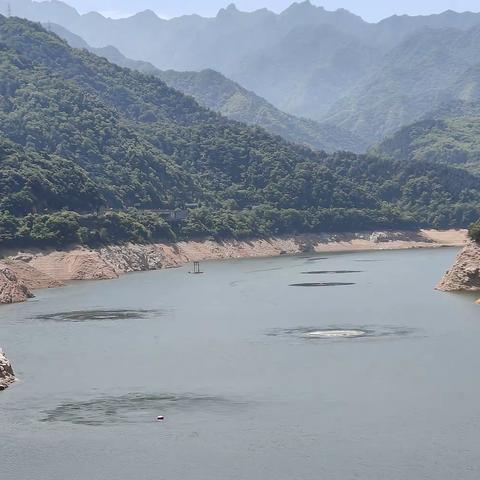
214 91
91 153
433 67
367 78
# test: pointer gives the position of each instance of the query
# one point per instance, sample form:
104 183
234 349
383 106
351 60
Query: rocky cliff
12 289
6 372
465 273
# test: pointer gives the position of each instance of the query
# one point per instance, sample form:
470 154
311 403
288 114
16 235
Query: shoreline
23 272
7 376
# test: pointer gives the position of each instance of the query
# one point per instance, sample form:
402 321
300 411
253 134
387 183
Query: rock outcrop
6 371
465 273
12 290
77 264
34 279
133 258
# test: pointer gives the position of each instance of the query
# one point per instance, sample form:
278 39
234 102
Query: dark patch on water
331 332
328 272
315 259
262 270
369 260
322 284
135 408
99 315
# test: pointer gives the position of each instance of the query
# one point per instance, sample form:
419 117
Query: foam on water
336 334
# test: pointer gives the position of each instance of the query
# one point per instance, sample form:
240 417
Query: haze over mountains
368 78
216 92
90 152
362 78
450 135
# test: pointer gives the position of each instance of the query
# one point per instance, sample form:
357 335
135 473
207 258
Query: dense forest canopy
90 151
449 135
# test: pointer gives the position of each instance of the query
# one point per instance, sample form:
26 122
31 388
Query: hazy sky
372 10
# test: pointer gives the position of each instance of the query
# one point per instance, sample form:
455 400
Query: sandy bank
45 269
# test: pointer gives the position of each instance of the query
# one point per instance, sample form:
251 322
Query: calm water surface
244 369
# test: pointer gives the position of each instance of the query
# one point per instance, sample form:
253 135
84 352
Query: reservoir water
262 371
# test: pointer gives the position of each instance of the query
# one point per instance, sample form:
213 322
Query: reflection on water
97 315
376 260
134 408
262 270
322 284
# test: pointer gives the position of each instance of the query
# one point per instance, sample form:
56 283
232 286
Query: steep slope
307 69
12 290
466 87
416 77
216 92
464 275
212 90
450 135
302 61
128 142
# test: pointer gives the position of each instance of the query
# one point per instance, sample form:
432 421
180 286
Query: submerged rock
465 273
6 371
12 290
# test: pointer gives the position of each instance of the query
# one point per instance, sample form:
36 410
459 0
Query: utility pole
9 10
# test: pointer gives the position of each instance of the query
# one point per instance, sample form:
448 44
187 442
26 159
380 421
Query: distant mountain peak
147 14
305 5
230 10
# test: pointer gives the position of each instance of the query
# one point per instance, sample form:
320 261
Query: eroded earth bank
23 272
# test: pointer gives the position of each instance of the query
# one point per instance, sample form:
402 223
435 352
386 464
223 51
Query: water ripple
335 332
135 408
99 315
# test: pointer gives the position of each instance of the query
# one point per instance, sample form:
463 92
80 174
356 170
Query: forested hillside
212 90
216 92
306 61
80 135
431 68
450 135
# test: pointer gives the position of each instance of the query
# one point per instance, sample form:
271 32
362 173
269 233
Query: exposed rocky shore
12 289
465 273
6 371
21 272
